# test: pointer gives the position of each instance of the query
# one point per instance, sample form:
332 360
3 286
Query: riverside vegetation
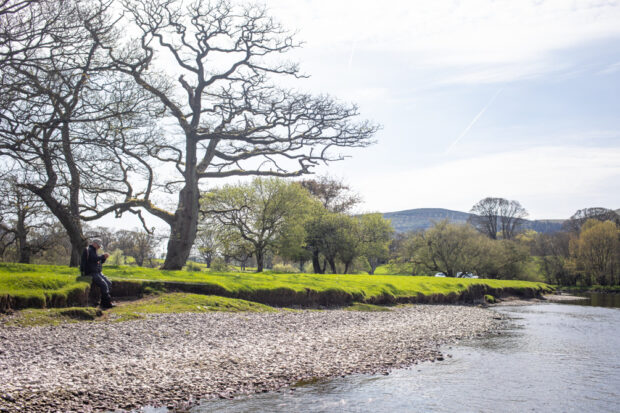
38 286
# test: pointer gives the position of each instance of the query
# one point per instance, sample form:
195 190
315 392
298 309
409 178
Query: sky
515 99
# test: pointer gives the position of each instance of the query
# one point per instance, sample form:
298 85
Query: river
550 358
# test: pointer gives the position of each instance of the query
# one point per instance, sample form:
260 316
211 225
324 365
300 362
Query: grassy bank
23 286
132 310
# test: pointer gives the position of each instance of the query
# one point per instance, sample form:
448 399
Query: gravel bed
170 359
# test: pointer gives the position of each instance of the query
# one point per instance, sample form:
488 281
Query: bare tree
66 119
334 194
580 217
24 222
511 215
213 67
492 216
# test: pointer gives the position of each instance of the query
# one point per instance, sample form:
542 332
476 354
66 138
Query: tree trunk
332 265
24 255
259 260
22 239
316 263
346 267
301 265
373 266
183 228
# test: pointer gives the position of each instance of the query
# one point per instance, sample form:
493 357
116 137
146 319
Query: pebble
177 359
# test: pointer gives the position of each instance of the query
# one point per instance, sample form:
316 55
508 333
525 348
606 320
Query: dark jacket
91 262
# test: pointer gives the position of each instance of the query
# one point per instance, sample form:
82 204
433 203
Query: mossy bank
34 286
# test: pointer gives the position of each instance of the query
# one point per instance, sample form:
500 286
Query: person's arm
103 257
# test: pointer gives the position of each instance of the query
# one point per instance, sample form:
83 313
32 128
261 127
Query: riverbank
176 359
36 286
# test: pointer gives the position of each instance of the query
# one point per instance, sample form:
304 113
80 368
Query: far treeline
307 226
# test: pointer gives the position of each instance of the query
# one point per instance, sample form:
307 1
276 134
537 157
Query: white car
465 275
440 274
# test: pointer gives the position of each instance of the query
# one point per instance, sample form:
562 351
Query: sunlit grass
37 284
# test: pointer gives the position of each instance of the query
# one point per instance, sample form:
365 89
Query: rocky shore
171 359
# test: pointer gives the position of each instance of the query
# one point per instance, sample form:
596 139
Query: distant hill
422 218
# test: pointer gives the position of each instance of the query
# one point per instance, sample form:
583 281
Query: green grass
52 316
165 303
366 285
188 303
40 283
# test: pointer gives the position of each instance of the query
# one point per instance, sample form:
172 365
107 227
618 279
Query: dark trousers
105 286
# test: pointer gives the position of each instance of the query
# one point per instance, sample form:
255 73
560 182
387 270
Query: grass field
132 310
41 286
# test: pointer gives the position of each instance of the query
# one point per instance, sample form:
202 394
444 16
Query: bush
218 265
116 258
285 269
489 299
192 266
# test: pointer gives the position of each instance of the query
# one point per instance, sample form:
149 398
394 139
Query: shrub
192 266
489 299
285 269
116 258
218 265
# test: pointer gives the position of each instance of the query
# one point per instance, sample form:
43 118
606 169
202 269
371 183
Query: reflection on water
553 357
598 299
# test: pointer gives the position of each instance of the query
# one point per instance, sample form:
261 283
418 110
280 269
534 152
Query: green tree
376 236
331 236
448 248
258 212
597 251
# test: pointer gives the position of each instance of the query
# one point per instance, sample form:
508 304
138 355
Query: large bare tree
215 69
67 120
493 216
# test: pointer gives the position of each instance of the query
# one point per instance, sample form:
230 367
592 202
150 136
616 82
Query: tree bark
259 260
316 263
346 267
332 265
183 228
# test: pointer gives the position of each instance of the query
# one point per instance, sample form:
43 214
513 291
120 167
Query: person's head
96 243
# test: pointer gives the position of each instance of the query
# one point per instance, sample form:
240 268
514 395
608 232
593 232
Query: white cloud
548 181
489 41
613 68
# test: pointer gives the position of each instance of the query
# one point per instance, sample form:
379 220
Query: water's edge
551 357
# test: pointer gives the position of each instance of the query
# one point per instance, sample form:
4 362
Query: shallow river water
552 358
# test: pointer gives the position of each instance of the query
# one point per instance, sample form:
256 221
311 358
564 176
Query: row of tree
586 252
298 221
115 107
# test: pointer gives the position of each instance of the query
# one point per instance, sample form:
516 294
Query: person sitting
91 265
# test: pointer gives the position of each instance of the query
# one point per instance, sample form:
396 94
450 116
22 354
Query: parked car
466 275
440 274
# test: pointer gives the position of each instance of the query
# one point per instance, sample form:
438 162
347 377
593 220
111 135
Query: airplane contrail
351 55
474 120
